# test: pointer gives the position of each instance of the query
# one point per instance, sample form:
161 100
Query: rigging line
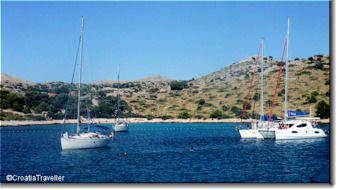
277 82
72 80
254 101
250 85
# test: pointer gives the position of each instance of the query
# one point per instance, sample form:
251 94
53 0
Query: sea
163 153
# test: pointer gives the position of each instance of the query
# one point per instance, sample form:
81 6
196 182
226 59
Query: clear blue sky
180 40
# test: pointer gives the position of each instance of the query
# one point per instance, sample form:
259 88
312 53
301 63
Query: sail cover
273 118
296 113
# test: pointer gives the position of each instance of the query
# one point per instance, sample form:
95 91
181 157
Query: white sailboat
83 140
253 132
120 125
293 128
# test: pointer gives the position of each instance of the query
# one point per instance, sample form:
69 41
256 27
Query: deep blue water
199 152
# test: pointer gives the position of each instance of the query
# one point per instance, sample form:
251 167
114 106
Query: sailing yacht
253 131
120 125
294 128
83 140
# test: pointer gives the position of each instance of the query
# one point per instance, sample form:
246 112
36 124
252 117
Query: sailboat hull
83 143
250 134
292 133
299 134
267 133
123 127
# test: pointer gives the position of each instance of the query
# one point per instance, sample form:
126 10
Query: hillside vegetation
220 94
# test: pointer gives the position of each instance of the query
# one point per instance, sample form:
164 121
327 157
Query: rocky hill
7 80
221 93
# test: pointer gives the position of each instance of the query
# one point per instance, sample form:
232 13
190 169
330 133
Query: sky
179 40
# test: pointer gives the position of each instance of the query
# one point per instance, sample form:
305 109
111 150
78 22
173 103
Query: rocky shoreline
132 120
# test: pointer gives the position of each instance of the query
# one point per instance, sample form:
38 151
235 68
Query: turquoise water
198 152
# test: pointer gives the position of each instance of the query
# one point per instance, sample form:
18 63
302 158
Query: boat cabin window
302 125
294 131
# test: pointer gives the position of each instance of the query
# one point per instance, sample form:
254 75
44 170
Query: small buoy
123 154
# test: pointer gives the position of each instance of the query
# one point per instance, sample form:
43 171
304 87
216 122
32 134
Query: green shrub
149 117
201 102
224 108
199 116
209 105
281 93
216 114
312 98
319 65
12 100
165 117
178 85
323 109
184 115
236 111
280 62
256 96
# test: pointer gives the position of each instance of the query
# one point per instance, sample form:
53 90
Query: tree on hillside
107 108
312 98
12 100
323 109
4 104
42 106
236 111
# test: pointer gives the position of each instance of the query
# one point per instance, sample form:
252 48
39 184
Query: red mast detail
250 85
278 79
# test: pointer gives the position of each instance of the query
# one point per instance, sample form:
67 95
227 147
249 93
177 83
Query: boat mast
80 80
118 86
261 75
286 78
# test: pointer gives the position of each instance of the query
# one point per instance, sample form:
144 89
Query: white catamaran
293 128
120 125
82 140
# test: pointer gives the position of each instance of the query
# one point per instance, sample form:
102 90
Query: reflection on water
300 141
